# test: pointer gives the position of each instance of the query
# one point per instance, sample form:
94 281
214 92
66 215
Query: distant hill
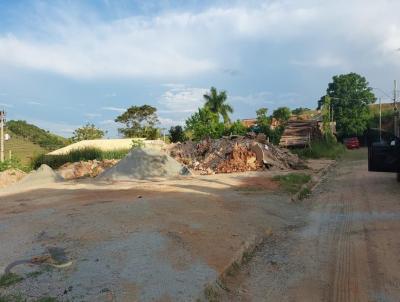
36 135
28 140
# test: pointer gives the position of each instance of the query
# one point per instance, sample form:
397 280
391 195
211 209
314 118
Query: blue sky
66 63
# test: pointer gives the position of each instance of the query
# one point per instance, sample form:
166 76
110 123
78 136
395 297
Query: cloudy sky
66 63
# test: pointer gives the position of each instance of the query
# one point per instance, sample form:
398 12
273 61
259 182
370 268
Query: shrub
12 163
237 128
177 134
292 182
322 149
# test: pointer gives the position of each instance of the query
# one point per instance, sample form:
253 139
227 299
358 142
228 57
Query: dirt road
347 250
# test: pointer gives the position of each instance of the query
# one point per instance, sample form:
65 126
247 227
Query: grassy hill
36 135
28 141
22 149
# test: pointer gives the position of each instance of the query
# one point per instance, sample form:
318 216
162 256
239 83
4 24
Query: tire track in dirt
348 251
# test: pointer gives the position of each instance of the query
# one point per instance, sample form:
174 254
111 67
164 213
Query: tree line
346 102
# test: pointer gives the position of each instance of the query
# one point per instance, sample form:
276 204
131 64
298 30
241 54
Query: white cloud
262 96
182 99
184 43
107 122
92 115
6 105
117 109
34 103
111 95
167 122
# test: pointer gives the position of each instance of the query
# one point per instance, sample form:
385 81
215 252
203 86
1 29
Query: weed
211 294
304 193
233 269
9 279
322 149
34 274
292 182
12 298
85 154
46 299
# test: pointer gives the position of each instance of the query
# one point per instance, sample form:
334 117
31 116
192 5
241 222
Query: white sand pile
145 163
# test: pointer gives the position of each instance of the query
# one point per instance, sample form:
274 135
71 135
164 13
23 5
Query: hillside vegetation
36 135
22 149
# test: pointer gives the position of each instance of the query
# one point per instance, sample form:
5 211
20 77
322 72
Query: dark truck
384 153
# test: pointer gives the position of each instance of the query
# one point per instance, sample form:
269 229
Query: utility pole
380 119
396 112
2 121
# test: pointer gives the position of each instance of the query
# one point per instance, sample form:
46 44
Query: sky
67 63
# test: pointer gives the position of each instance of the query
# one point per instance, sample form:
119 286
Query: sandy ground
138 241
347 249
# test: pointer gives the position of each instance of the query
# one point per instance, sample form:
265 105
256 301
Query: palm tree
216 102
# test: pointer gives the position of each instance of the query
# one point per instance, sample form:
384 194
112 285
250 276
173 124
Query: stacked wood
300 133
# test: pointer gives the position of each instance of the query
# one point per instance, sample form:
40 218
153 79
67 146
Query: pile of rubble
81 169
10 176
234 154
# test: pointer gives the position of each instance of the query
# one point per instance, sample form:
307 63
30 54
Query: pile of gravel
43 175
144 163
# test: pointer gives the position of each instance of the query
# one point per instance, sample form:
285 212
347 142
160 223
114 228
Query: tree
300 110
89 131
216 102
203 124
282 114
237 128
140 121
263 121
177 134
350 96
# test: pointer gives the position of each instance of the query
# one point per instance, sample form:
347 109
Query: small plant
47 299
322 149
12 163
34 274
211 294
12 298
9 279
137 143
304 193
292 182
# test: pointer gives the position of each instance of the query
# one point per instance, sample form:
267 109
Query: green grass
292 182
85 154
22 149
20 298
9 279
321 149
12 298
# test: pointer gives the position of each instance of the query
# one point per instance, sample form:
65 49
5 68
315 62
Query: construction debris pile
300 133
234 154
81 169
10 176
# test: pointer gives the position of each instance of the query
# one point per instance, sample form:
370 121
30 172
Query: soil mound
10 176
144 163
81 169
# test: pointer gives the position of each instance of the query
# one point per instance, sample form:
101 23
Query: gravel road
347 249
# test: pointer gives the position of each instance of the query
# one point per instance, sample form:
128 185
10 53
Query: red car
352 143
